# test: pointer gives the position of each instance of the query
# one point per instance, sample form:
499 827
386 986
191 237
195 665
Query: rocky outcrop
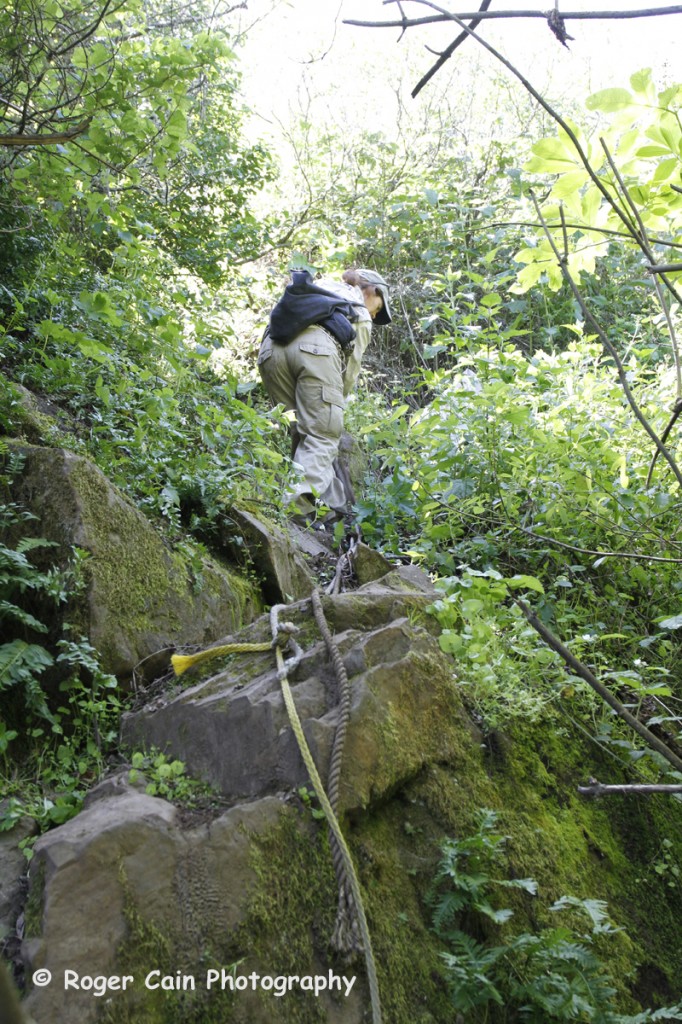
133 881
125 869
232 730
140 597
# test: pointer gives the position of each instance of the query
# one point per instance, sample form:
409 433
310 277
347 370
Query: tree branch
648 12
583 672
447 53
45 140
665 268
597 789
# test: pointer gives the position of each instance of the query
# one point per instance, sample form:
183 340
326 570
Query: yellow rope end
181 662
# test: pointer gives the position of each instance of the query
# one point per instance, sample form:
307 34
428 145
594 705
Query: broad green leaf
672 623
648 151
609 100
641 82
591 201
667 169
521 582
569 184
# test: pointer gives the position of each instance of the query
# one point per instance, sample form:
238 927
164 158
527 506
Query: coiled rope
346 937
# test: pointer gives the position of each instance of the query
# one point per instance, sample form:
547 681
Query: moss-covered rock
255 888
232 728
139 596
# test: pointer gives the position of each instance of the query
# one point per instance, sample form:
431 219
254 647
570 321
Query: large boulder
114 889
231 728
140 596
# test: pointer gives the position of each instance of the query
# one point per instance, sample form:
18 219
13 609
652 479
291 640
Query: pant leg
307 375
317 367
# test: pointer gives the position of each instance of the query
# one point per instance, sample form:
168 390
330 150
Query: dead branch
447 53
584 673
665 268
597 789
405 23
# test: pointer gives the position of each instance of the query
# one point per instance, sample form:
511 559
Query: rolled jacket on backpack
305 303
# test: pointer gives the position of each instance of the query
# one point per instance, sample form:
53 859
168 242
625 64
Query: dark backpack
304 303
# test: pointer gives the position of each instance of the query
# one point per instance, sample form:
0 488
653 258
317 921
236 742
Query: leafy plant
551 975
53 742
167 778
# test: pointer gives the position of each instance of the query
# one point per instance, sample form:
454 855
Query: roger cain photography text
214 978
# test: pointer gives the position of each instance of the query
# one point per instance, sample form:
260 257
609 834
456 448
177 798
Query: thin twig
448 52
508 522
411 332
587 228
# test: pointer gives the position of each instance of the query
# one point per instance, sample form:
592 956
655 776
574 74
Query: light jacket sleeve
363 334
363 329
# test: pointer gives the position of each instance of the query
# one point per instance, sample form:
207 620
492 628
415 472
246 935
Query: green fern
539 978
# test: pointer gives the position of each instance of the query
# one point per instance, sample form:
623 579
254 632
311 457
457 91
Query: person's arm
363 334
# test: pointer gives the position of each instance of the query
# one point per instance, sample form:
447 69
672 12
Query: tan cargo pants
307 376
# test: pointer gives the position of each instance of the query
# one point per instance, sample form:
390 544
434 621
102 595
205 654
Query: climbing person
309 360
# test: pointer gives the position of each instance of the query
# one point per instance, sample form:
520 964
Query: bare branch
665 268
44 140
597 789
584 673
551 541
648 12
446 54
588 229
664 437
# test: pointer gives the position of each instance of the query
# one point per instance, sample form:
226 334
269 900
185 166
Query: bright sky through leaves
304 46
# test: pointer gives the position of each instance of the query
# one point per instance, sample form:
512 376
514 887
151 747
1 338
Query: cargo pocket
320 346
333 398
319 409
